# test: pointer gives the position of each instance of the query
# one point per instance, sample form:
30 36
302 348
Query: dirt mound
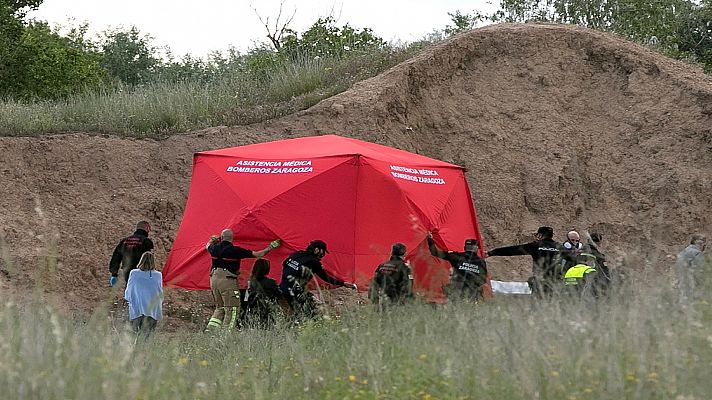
556 125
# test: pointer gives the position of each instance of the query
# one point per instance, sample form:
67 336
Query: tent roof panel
325 146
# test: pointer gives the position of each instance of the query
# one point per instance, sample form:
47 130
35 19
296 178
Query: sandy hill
556 125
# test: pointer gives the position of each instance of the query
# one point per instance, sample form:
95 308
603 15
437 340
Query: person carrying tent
392 281
297 270
546 260
129 251
262 297
581 278
469 271
224 273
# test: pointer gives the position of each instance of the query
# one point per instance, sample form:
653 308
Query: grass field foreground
638 344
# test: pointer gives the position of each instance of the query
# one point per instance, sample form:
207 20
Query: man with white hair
224 275
690 268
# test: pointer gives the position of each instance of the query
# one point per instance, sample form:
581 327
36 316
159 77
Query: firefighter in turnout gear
297 270
546 261
392 281
224 274
469 271
129 251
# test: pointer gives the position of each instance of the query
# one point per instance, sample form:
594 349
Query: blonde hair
147 262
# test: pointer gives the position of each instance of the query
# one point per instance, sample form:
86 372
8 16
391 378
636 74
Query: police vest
576 273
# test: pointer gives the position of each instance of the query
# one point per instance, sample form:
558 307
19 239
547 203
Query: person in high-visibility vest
582 276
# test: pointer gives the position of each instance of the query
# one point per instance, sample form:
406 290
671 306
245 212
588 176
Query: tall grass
160 109
638 344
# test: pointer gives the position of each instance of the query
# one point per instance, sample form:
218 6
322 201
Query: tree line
38 62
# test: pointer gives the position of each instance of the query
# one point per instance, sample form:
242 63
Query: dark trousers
143 325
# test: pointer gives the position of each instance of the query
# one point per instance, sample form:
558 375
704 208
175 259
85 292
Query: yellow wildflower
352 378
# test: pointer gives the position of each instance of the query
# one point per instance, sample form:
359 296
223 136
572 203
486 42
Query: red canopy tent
358 197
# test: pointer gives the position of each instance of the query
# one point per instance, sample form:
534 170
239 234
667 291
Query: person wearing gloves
297 271
144 293
224 274
128 252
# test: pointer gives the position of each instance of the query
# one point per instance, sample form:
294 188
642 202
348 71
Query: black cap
398 249
318 244
471 242
546 231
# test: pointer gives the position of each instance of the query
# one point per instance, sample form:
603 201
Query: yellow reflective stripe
233 317
578 271
214 322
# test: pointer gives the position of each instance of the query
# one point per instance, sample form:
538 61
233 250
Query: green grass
159 110
639 344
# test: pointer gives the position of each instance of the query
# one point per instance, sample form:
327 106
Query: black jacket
545 253
393 277
466 266
293 270
129 251
228 256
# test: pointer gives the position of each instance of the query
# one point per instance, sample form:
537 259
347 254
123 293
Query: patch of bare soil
556 125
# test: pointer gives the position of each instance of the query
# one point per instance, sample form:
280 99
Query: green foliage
462 22
639 344
235 96
325 39
129 56
46 65
680 28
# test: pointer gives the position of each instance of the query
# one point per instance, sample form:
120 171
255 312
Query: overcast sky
197 27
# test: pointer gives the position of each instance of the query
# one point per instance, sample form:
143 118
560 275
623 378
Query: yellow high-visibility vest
577 273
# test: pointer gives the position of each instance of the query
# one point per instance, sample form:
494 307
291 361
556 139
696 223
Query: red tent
358 197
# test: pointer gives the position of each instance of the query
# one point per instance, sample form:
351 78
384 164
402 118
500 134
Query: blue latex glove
112 281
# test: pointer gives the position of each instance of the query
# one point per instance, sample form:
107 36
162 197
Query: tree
128 56
12 15
678 27
46 65
281 28
462 22
325 39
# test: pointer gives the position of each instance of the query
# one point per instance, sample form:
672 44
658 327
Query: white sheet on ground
510 287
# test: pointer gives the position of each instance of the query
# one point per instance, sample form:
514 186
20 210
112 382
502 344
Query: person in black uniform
224 274
469 271
297 271
262 297
129 251
392 281
603 278
546 260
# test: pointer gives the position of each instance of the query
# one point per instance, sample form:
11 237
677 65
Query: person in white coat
144 293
